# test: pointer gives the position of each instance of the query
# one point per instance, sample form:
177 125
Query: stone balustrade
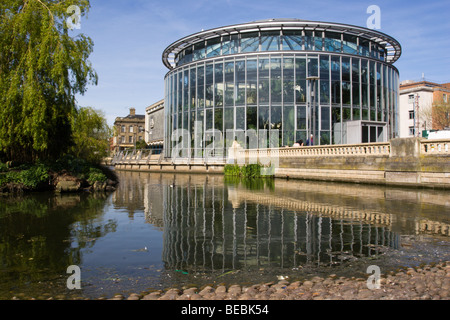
440 146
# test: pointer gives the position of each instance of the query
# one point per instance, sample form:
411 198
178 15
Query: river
173 230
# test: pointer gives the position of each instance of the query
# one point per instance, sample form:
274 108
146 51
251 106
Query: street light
312 80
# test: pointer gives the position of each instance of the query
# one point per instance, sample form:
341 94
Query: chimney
132 111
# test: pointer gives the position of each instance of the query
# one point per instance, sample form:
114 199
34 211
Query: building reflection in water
211 226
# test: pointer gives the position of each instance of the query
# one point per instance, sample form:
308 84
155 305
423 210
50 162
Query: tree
441 114
91 135
42 68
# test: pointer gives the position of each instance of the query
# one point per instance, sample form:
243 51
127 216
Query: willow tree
43 65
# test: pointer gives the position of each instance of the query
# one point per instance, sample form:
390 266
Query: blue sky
130 35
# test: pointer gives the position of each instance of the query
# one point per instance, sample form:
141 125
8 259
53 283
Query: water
163 230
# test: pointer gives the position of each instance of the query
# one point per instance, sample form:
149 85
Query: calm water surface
162 230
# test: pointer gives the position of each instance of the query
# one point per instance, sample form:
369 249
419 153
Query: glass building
297 78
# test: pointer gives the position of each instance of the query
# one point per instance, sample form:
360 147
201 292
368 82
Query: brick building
129 130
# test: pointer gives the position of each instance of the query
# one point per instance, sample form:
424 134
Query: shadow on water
162 230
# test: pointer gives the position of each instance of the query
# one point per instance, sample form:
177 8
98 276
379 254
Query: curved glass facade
335 86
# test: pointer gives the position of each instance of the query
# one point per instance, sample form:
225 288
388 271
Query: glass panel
346 93
218 119
270 41
209 119
275 80
275 117
300 74
349 44
356 113
336 124
301 118
230 44
186 90
180 91
263 83
264 117
213 47
332 42
289 118
324 68
240 82
374 50
324 92
313 67
318 41
250 42
209 89
288 138
193 87
292 40
240 118
355 95
355 70
229 84
324 137
199 51
309 40
201 87
325 118
345 69
252 120
275 120
301 136
218 86
364 47
288 80
346 114
229 119
252 81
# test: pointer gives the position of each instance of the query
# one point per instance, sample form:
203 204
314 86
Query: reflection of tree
37 234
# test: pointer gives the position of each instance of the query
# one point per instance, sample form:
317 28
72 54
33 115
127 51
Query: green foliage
251 171
232 170
96 175
84 169
42 68
91 135
30 177
141 144
248 171
3 167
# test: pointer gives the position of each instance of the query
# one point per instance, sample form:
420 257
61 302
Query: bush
3 167
95 175
29 176
248 171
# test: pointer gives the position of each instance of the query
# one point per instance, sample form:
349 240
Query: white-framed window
130 139
411 114
122 129
411 98
131 129
412 131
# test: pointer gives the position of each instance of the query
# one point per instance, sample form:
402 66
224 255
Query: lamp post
312 81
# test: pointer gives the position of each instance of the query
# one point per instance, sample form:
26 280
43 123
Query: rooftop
392 46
